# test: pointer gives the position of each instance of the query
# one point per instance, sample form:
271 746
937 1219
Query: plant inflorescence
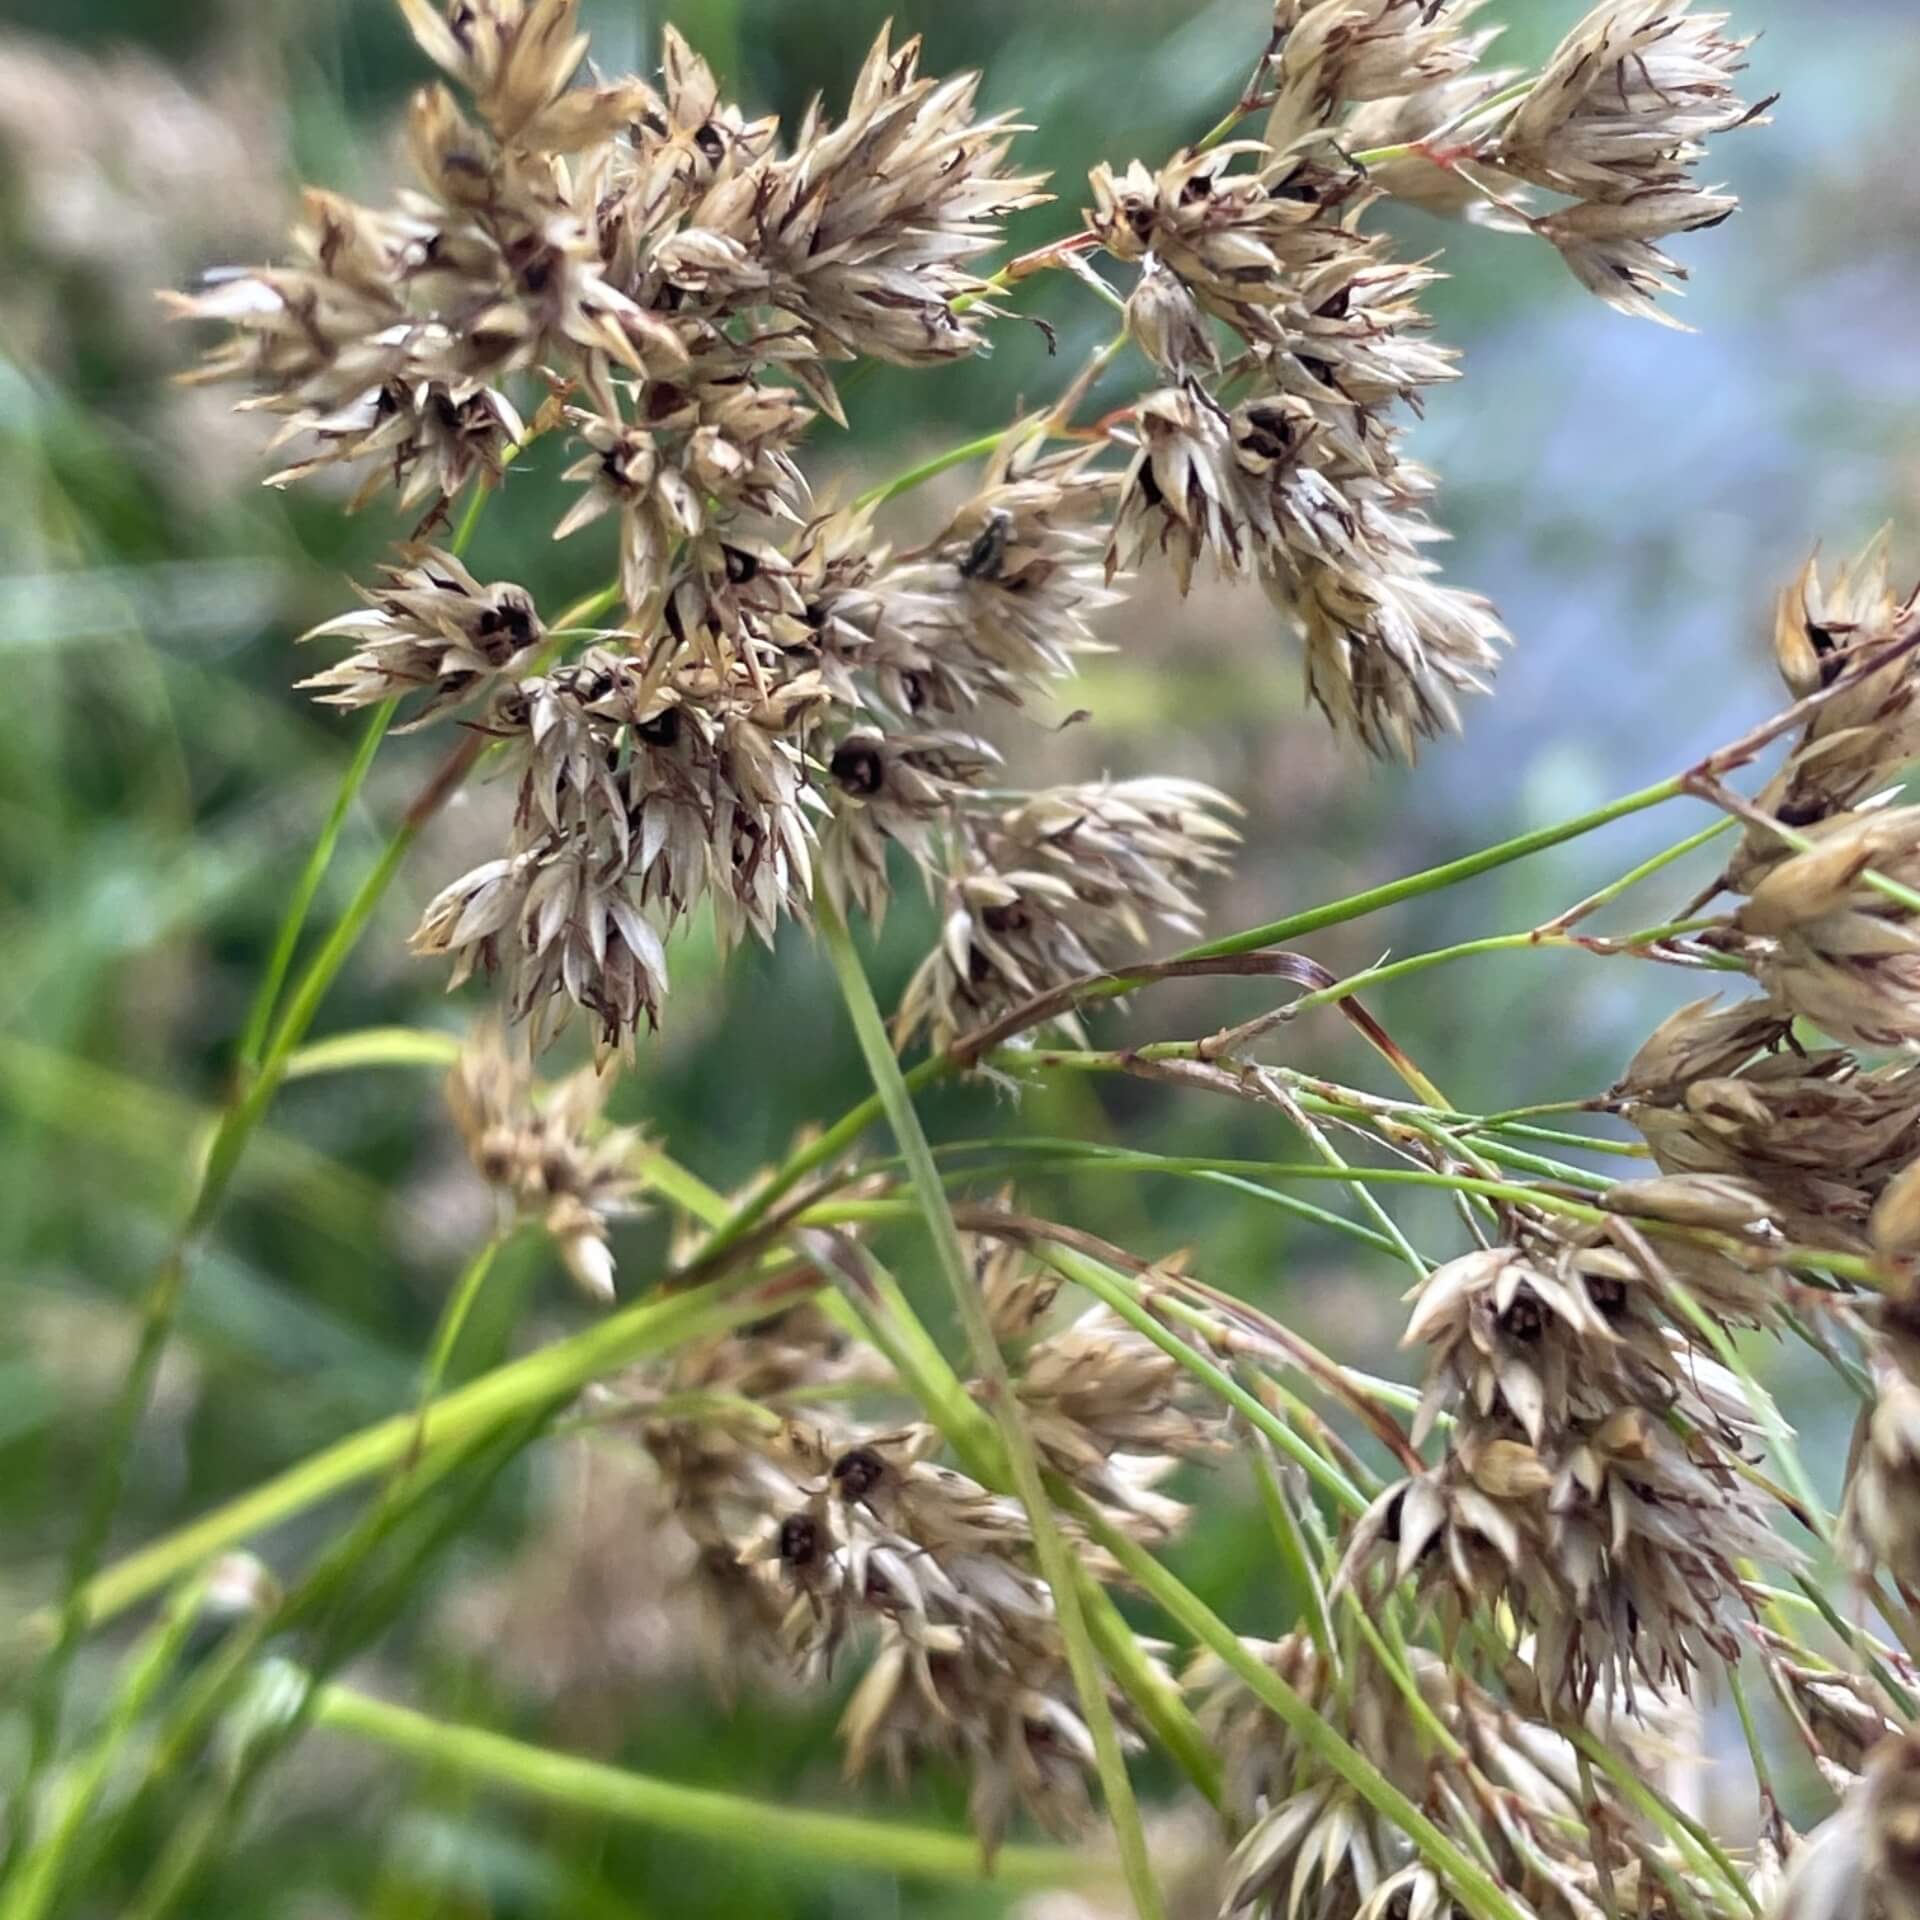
1519 1584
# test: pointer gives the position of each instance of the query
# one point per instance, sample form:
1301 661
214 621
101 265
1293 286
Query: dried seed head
1857 743
1831 947
1240 241
705 454
333 344
1567 1493
1313 1847
1048 890
516 58
1895 1224
1169 327
1000 603
1893 1827
1611 246
1718 1095
1283 490
1691 1200
569 933
546 1150
1618 119
892 788
1627 100
1435 181
1702 1040
867 226
1112 1414
1881 1516
1327 53
433 626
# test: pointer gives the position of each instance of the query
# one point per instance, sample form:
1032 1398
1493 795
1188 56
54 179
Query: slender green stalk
652 1326
1750 1732
342 1623
1370 1202
162 1300
1850 1633
30 1891
1050 1548
1436 879
833 1840
1296 1560
1658 863
835 1140
975 449
1844 1266
453 1318
1392 970
372 1047
253 1038
1388 1118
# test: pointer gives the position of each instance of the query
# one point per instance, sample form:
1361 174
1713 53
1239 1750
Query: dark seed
1524 1321
859 768
1390 1521
858 1472
983 558
662 729
1607 1294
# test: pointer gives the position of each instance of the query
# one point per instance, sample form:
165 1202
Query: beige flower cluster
786 700
823 1536
1510 1793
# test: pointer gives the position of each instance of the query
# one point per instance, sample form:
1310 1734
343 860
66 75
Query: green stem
1493 943
1633 877
148 1667
651 1326
453 1318
1296 1560
1844 1266
1435 879
1750 1732
838 1138
1050 1548
833 1840
900 483
266 997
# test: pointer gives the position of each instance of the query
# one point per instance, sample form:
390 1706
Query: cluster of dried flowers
1591 1479
821 1536
785 699
1510 1790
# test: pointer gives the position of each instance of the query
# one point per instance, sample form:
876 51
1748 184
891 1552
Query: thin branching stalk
834 1841
1023 1465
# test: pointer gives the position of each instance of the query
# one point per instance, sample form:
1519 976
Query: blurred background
1631 497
